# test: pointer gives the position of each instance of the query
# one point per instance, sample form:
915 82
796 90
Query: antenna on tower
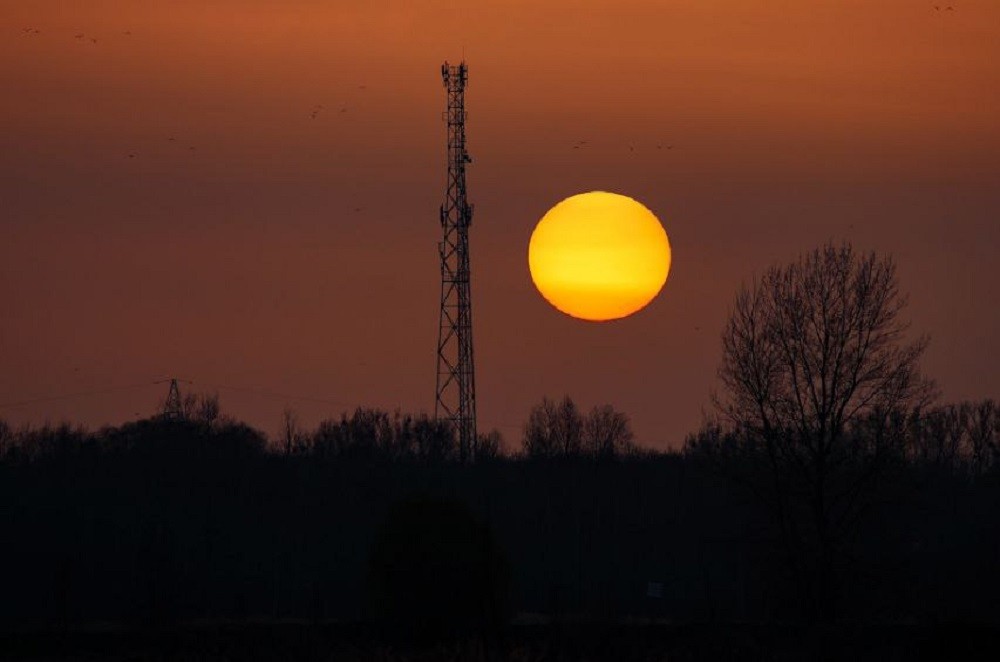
172 409
456 381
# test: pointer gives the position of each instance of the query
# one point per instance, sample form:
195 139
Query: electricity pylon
172 409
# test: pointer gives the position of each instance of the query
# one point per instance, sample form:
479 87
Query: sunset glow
599 256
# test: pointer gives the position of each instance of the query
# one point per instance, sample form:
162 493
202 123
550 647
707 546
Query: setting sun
599 256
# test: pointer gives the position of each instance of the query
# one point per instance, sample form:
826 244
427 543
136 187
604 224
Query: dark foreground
287 641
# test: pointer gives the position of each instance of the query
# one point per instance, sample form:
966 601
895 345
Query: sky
245 195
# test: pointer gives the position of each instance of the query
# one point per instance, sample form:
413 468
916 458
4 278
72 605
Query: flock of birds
79 36
132 154
582 144
318 109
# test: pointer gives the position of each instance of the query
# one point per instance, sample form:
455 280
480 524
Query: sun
599 256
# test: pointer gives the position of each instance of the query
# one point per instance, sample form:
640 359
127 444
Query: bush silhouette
436 571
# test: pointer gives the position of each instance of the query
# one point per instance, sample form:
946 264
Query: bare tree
6 437
201 408
189 406
208 409
291 434
558 429
607 433
809 350
554 429
984 435
489 446
569 428
539 438
961 436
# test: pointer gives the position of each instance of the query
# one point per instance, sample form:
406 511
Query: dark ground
579 641
196 543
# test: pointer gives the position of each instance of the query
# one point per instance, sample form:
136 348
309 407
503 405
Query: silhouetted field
564 642
128 542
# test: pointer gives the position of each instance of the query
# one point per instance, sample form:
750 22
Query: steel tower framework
172 408
456 378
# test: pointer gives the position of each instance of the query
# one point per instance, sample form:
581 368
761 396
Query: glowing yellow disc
599 256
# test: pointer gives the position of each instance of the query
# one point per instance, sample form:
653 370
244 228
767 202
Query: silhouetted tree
201 408
189 405
984 436
6 438
607 433
208 409
560 430
808 350
489 446
292 438
369 431
372 433
554 429
434 439
957 437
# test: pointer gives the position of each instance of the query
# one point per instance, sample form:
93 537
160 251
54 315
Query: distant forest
162 521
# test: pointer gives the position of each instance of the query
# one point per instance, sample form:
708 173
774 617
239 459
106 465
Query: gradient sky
297 255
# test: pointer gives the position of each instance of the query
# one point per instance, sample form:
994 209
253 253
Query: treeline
206 518
963 438
553 430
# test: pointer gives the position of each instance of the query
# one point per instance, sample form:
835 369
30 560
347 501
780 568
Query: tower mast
456 382
172 408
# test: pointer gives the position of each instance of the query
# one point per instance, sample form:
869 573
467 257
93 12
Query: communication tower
456 380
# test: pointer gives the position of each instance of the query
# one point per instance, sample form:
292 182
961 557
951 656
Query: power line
275 394
124 387
78 394
259 392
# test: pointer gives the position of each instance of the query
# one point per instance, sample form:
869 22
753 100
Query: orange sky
243 262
